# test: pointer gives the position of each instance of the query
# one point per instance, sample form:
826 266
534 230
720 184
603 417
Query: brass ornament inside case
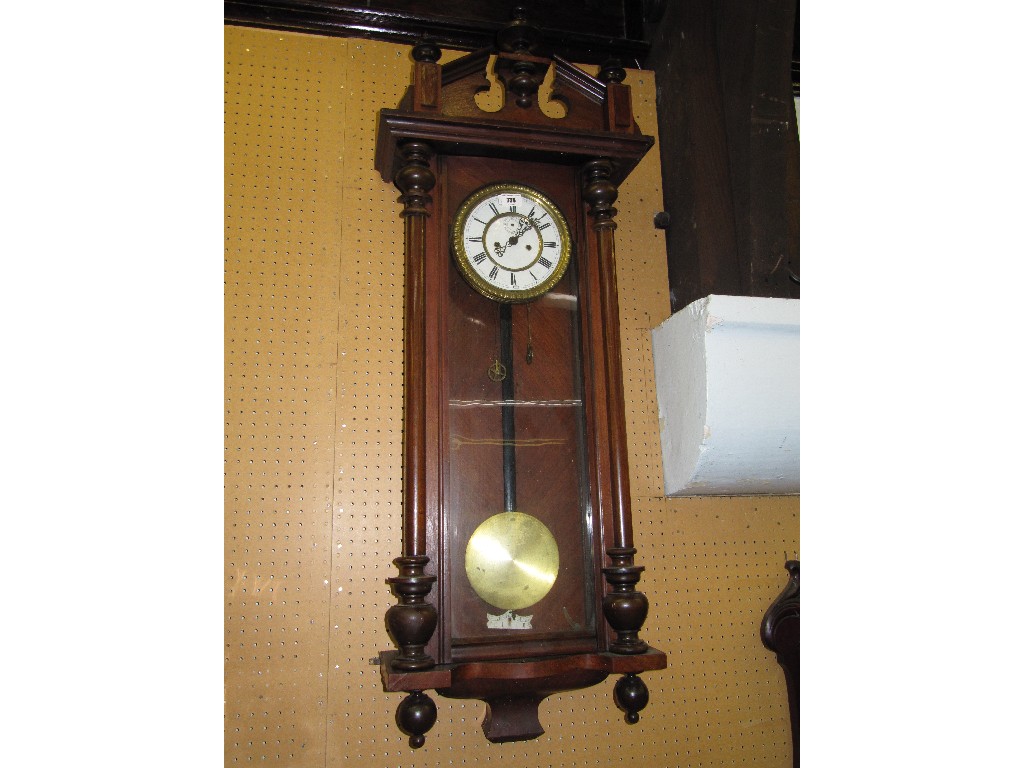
463 258
512 560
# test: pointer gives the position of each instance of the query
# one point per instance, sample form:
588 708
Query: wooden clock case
437 147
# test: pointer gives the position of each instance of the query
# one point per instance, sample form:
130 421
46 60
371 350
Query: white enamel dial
510 242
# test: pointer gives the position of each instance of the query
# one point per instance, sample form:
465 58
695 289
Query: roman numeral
479 258
545 225
512 279
549 245
493 208
493 273
544 262
474 239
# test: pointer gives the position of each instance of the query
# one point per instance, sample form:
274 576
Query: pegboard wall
313 437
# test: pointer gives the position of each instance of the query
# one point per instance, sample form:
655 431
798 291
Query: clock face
510 242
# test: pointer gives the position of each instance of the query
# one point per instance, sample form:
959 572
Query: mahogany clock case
559 446
554 476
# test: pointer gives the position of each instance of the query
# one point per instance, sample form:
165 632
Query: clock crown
519 35
512 72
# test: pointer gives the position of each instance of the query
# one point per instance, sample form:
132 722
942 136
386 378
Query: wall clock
517 577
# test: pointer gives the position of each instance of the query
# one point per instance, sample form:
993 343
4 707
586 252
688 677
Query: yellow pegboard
313 436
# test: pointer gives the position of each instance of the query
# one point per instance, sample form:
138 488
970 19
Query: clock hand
521 229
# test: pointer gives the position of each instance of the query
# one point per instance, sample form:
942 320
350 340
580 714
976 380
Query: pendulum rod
508 395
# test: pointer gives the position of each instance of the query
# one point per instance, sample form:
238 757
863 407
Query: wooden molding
574 30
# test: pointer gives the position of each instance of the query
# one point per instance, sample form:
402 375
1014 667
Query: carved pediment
512 77
505 101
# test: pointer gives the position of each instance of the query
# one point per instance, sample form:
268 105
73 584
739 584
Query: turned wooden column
625 608
412 622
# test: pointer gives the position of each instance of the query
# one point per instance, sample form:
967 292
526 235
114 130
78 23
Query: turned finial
612 71
426 51
519 35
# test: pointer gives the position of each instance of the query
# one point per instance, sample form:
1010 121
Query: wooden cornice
550 144
575 33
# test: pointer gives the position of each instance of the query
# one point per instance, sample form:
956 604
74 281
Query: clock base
513 690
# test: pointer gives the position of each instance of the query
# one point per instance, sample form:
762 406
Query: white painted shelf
727 372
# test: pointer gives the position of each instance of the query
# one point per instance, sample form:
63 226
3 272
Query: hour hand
521 228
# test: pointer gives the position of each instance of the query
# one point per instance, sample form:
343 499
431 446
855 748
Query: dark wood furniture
780 632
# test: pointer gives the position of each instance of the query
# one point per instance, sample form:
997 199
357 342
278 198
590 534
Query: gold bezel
462 257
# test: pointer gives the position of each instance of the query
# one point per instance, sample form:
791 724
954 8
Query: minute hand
521 229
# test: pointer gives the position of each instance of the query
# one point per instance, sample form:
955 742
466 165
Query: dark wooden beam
584 31
729 147
700 238
774 166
